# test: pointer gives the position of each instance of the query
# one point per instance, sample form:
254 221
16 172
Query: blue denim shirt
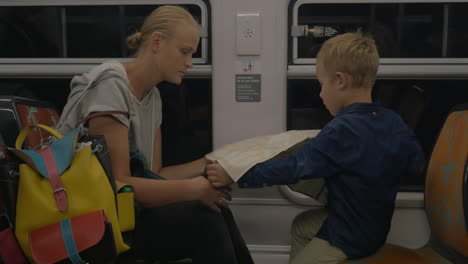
361 154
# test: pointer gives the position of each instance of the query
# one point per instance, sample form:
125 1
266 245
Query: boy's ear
155 43
343 79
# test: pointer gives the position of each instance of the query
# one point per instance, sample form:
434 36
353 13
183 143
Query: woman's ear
155 43
343 79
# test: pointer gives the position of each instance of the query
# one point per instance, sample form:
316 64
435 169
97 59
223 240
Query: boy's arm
314 160
309 162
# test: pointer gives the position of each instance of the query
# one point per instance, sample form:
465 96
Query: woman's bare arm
149 192
177 172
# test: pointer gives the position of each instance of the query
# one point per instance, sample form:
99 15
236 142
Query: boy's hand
217 175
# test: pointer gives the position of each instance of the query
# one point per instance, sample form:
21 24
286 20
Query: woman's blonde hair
163 19
353 53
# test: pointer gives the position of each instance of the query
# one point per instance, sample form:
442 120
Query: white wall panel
233 121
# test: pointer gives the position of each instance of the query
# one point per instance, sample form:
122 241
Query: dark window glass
54 91
458 31
421 28
186 126
305 107
423 104
93 32
30 32
73 31
412 30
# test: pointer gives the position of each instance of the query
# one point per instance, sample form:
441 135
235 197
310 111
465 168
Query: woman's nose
189 63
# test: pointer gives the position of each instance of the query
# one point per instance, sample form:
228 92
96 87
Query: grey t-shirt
106 88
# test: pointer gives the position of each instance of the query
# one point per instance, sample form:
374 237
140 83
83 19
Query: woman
175 221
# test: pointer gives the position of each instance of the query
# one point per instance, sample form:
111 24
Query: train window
422 104
305 107
401 30
187 123
87 31
30 32
92 32
53 90
457 32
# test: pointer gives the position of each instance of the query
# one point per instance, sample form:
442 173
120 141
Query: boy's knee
308 222
319 251
297 224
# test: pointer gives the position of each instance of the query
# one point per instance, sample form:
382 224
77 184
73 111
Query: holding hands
214 190
209 196
217 175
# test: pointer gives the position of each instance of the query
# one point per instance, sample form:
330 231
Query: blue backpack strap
69 240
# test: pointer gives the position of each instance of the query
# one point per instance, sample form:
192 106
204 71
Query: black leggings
189 230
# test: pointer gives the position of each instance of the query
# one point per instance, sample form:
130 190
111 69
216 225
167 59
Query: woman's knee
204 215
163 227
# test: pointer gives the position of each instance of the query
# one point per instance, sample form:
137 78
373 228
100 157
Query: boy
361 154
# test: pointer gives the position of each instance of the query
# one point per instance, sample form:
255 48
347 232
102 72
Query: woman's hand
210 196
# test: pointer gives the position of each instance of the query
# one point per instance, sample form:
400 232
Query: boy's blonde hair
353 53
163 19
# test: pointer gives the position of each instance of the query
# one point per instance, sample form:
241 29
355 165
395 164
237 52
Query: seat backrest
446 191
33 115
18 112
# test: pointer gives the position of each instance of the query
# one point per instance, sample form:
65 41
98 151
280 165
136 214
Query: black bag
10 253
9 179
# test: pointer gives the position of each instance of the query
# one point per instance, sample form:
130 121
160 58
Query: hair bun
134 40
138 35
